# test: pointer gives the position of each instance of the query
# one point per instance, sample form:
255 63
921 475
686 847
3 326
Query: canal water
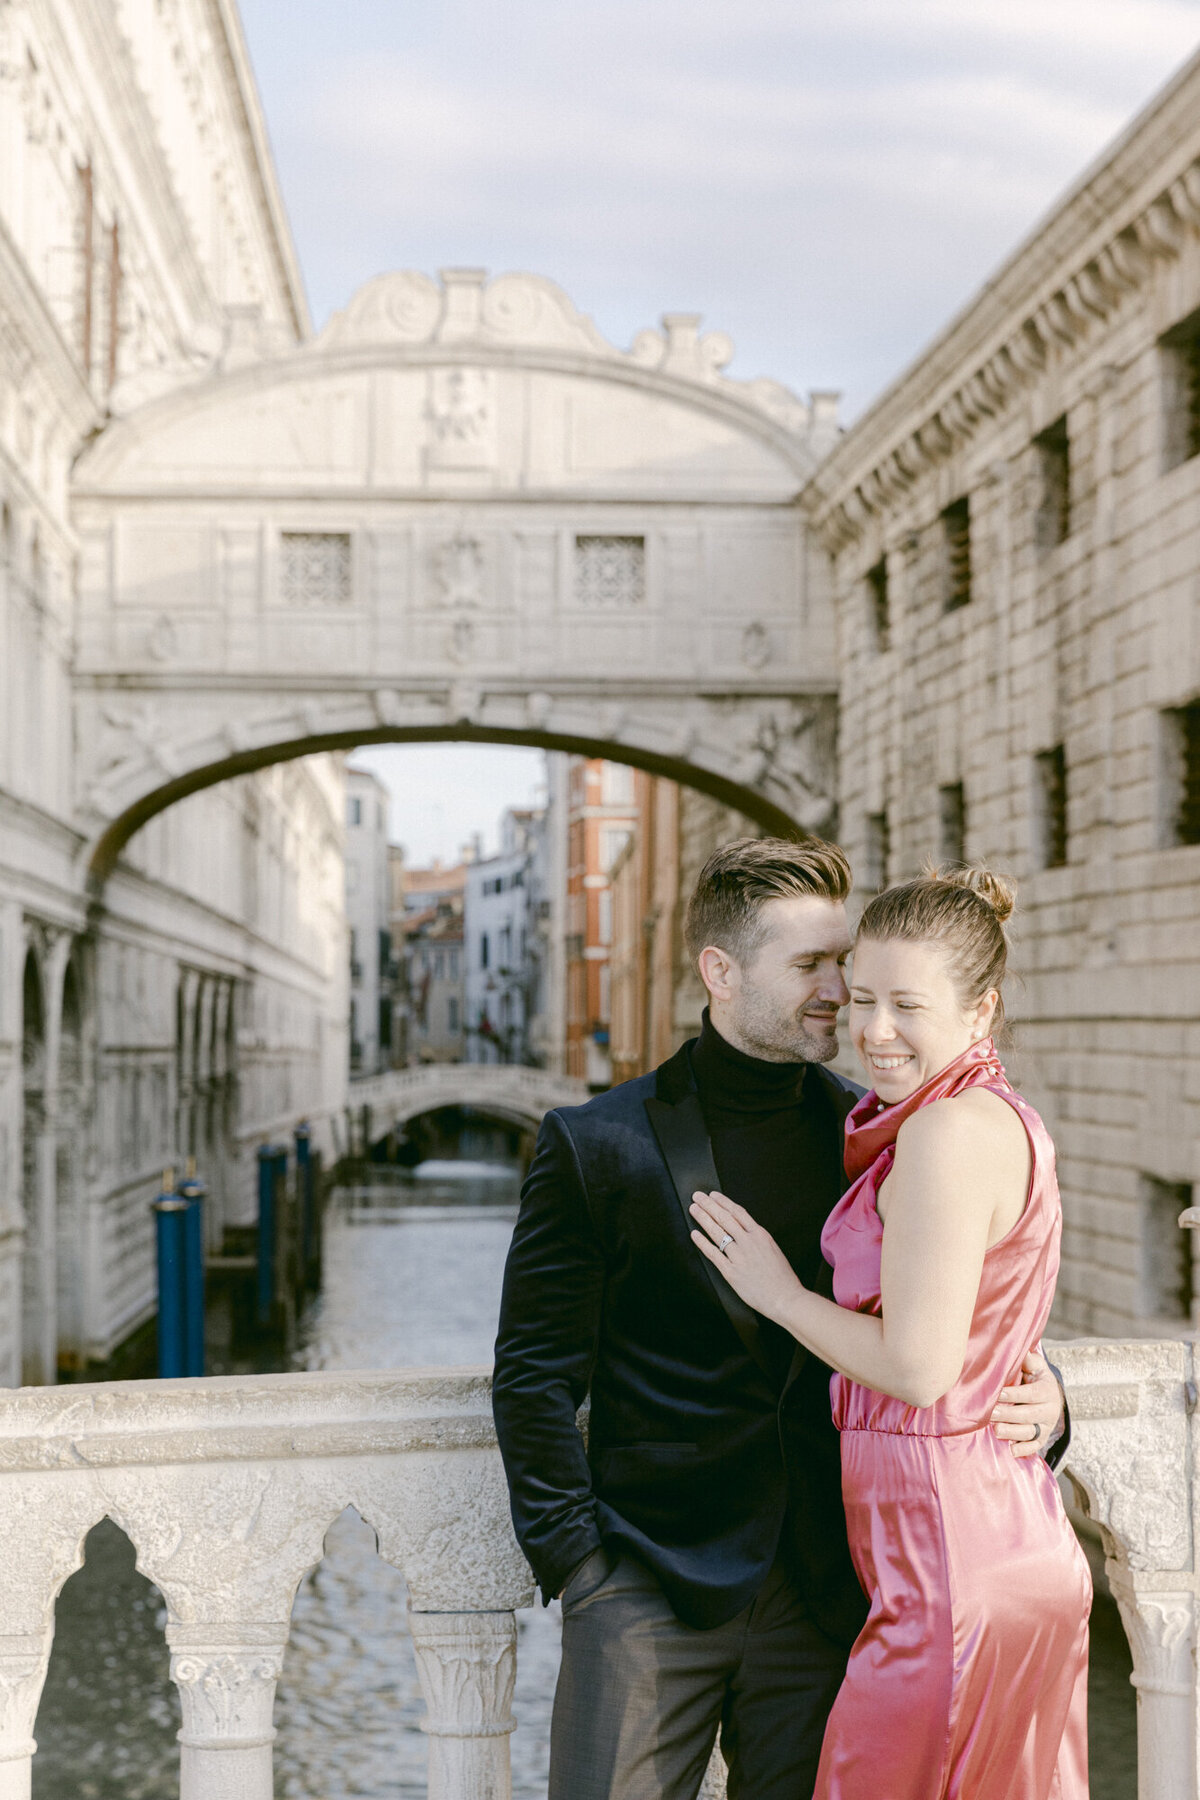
411 1276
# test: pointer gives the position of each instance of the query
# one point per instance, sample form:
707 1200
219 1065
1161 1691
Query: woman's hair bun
1000 891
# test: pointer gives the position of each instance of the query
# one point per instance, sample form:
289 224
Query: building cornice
31 342
228 32
1133 209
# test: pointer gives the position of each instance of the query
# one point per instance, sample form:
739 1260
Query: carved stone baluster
1160 1632
466 1664
23 1662
226 1681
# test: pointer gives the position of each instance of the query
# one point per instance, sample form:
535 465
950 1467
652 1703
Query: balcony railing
227 1487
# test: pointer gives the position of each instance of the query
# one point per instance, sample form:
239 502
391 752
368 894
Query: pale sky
826 180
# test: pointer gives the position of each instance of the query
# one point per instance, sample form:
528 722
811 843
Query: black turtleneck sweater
777 1144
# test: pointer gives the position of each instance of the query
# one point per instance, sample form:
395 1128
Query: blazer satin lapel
683 1139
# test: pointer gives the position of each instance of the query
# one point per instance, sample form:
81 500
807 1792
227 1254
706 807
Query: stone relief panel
459 570
461 415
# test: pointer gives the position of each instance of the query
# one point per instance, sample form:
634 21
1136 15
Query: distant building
546 948
499 941
656 997
427 920
368 915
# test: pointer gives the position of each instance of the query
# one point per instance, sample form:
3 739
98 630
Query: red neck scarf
872 1127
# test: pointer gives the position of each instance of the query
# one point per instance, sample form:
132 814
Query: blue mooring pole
170 1213
267 1162
304 1176
193 1192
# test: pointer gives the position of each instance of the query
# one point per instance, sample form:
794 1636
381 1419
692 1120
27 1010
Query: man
698 1541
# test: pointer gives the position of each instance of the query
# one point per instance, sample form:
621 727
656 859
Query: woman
968 1680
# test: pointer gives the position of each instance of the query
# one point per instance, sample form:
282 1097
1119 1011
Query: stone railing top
240 1418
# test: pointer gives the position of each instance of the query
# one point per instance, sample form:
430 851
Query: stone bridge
457 513
505 1090
227 1487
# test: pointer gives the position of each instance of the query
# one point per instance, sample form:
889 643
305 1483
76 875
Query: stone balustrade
227 1487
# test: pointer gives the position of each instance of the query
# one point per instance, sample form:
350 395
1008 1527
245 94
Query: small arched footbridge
504 1090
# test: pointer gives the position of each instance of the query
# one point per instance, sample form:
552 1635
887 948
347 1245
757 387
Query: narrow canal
411 1276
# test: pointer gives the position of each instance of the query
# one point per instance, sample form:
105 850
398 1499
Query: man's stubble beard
779 1037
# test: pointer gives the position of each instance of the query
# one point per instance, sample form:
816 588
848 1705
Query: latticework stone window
610 572
314 568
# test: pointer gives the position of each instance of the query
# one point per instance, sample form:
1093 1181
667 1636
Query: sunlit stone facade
196 1009
1015 533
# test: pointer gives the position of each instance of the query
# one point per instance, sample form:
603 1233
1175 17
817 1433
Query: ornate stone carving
756 646
461 640
458 570
227 1691
462 418
1159 1628
466 1664
783 748
24 1658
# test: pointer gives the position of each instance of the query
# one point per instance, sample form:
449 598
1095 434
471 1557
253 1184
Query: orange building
635 845
601 816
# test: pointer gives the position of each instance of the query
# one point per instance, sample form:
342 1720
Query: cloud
826 181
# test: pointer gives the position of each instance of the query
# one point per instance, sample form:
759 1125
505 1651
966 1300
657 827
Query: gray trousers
640 1694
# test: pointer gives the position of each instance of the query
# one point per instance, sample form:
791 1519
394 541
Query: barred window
878 607
1050 804
1181 746
610 572
952 823
1180 352
1053 447
1168 1280
314 568
879 848
956 537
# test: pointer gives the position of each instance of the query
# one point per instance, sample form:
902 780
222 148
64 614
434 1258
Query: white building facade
499 940
368 917
195 1010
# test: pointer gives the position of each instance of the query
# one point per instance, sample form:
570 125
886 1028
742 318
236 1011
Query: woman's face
907 1021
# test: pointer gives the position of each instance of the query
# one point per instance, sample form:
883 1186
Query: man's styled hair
738 879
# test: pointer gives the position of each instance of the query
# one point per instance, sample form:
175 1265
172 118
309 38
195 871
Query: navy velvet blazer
694 1462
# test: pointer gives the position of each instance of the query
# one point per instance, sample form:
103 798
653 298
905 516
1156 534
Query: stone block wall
1080 635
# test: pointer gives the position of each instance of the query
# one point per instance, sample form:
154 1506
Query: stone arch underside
456 514
771 762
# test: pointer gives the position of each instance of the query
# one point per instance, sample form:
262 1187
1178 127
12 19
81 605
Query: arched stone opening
84 1741
792 731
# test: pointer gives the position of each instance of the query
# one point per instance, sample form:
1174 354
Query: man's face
782 1004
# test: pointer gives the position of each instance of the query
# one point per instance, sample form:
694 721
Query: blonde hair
738 879
961 907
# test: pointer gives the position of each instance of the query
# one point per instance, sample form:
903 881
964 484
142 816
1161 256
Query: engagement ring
727 1239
